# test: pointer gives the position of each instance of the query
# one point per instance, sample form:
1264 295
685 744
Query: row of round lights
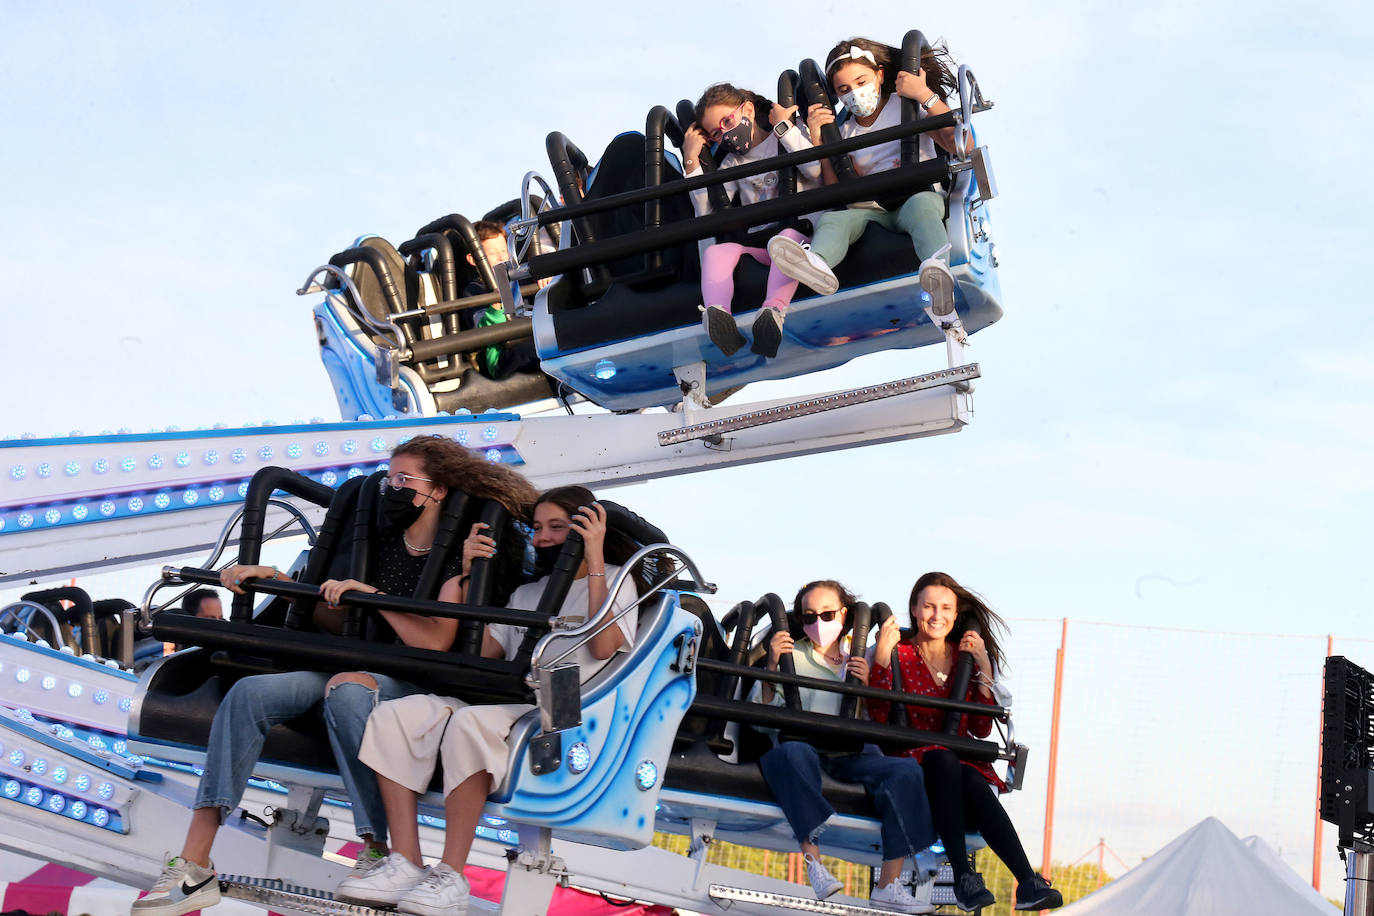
247 424
75 689
211 457
59 774
163 500
58 803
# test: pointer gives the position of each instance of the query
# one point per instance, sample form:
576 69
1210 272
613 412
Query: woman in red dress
948 619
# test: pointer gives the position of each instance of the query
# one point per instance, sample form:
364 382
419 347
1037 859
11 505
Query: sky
1178 405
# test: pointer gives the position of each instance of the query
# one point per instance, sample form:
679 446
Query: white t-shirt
755 188
526 598
887 155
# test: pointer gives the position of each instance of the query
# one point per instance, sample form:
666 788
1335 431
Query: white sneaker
822 881
897 898
798 261
182 887
384 884
443 892
937 286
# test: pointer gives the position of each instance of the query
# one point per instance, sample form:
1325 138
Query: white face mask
824 632
863 101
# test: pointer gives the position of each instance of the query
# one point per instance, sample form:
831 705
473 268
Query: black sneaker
1038 895
767 333
719 325
970 893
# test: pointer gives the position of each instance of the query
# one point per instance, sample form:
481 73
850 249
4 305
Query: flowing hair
935 61
971 609
457 468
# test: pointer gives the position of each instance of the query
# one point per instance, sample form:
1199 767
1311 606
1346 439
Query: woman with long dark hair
948 619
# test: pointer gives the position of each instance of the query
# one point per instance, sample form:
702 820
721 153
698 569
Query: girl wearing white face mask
865 75
793 769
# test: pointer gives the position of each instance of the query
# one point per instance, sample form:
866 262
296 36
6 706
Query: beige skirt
405 738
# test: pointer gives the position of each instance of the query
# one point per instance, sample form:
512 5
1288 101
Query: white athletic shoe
182 887
384 884
938 284
443 892
798 261
897 898
822 881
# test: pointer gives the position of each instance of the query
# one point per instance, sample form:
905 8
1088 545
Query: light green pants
922 217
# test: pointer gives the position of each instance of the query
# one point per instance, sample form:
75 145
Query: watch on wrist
781 128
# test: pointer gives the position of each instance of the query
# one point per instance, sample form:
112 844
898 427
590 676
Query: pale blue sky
1174 421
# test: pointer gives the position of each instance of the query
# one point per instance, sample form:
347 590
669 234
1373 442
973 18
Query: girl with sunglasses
422 472
948 619
732 118
793 769
865 76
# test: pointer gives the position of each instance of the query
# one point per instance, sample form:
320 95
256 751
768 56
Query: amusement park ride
100 736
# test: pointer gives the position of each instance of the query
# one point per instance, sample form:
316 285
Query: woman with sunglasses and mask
793 769
408 737
948 619
422 471
732 117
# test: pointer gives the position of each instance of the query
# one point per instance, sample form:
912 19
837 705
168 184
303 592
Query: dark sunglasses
827 616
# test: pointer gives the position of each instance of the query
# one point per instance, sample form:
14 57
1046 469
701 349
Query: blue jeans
255 704
896 785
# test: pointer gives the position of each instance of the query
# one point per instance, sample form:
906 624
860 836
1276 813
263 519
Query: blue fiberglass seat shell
618 341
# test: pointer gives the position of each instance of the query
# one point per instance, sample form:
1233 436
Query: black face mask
399 509
544 558
739 138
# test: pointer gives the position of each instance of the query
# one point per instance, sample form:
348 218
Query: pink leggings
718 274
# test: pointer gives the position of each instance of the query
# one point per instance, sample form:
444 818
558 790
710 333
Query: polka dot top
916 678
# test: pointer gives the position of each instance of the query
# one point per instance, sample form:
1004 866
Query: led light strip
117 476
818 405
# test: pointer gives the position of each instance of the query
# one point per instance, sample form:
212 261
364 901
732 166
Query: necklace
940 676
413 547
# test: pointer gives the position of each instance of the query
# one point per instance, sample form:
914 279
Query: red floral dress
916 678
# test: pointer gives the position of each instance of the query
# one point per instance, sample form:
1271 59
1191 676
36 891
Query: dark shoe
1038 895
767 333
970 893
720 327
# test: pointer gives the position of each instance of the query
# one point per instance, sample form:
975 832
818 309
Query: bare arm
590 522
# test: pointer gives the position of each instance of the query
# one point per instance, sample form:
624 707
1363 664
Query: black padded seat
625 312
697 769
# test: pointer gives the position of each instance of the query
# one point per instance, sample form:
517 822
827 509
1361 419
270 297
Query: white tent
1207 871
1265 853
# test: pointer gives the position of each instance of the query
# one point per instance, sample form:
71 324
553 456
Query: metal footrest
721 894
275 894
278 895
819 405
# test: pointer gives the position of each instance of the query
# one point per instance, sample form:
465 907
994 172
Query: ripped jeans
255 704
896 785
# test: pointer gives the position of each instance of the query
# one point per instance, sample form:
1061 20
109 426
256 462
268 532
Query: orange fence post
1047 860
1101 851
1317 830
